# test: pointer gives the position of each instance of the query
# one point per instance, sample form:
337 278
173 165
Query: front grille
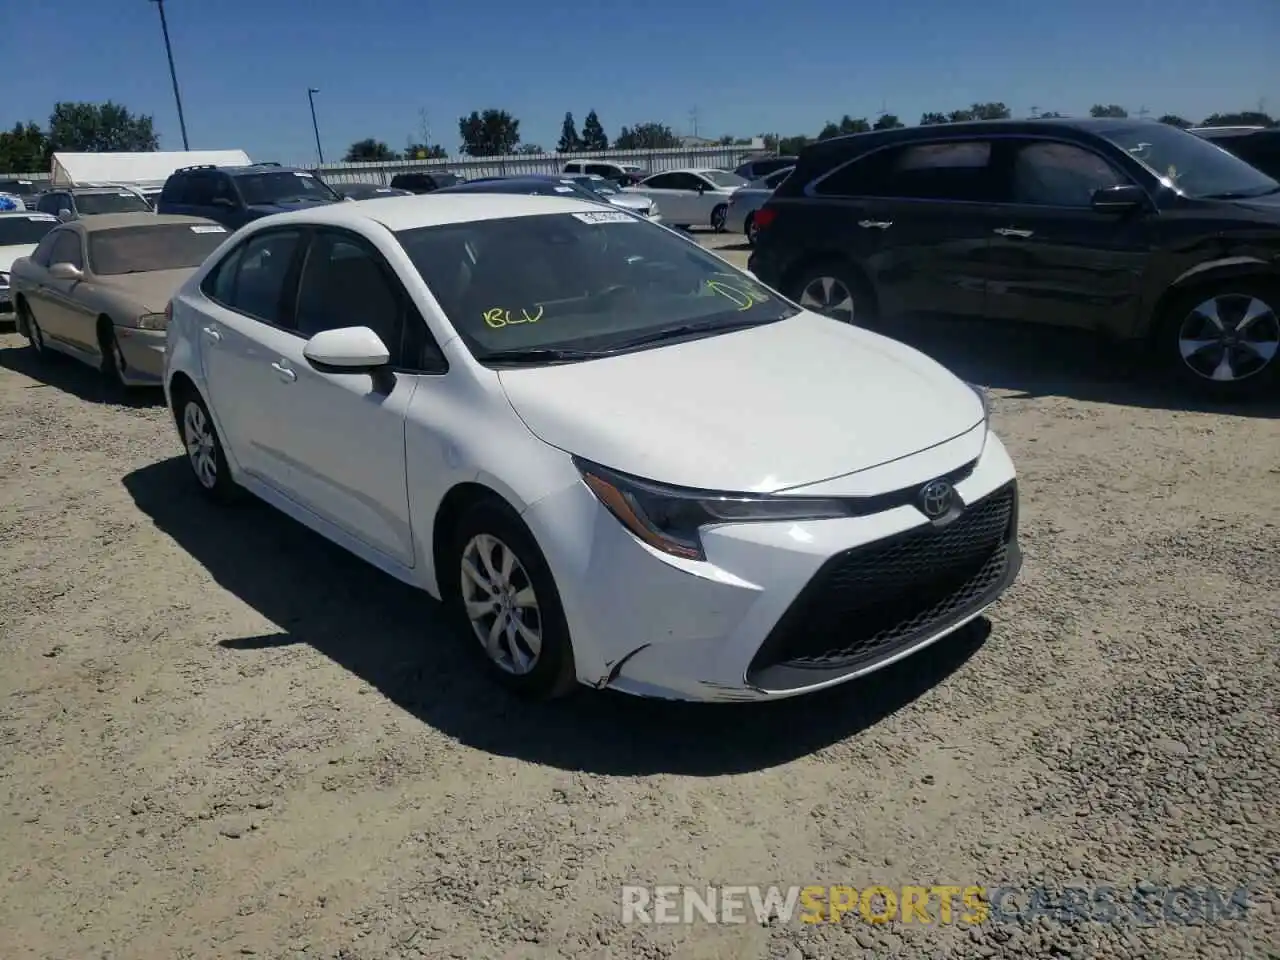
868 603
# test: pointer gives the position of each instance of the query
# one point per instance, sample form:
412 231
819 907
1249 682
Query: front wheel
718 216
1222 341
835 290
29 327
504 595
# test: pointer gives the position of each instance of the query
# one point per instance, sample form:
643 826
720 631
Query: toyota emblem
937 498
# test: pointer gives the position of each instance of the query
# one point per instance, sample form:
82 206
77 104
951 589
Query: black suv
1258 146
233 196
425 182
1134 229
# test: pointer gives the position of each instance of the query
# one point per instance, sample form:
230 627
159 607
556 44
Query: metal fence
472 167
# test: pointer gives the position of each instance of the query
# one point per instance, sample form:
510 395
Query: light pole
311 96
173 74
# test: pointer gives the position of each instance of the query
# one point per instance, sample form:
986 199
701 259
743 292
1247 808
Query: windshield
161 246
584 281
22 188
723 178
22 231
122 202
282 186
1193 165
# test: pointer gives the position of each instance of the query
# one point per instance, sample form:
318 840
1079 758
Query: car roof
114 221
435 209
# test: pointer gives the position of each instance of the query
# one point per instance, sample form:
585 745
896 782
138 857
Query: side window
345 284
50 203
661 181
219 283
199 191
602 169
262 274
1060 175
220 188
175 190
67 249
774 179
953 170
42 252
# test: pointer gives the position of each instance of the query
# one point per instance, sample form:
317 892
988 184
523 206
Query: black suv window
1060 174
951 170
175 189
53 202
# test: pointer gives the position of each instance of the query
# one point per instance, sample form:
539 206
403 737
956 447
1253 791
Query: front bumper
777 609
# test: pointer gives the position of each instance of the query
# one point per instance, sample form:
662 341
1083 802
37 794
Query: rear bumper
143 354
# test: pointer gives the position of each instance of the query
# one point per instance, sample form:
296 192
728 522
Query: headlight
984 397
152 321
653 209
670 519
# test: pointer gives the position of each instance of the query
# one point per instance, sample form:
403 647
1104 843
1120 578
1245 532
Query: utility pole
311 96
693 121
173 74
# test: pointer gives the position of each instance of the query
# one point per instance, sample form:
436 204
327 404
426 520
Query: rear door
915 218
1054 259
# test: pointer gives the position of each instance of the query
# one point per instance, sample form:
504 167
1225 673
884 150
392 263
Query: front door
55 309
1053 258
343 433
672 193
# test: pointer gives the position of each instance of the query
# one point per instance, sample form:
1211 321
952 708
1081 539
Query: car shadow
53 370
1040 361
396 639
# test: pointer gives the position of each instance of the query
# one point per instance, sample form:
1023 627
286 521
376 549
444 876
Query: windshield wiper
685 330
534 355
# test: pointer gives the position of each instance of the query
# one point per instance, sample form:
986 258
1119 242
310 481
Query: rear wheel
1223 341
718 216
835 290
751 230
204 448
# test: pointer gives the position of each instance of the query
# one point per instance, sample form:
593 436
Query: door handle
211 333
875 224
285 373
1010 232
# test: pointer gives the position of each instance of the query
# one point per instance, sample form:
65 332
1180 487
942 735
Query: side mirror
702 188
347 349
65 271
64 215
1122 198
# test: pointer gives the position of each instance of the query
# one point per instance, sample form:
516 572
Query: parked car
1257 146
553 185
71 203
368 191
234 196
26 190
696 197
761 167
12 203
623 174
98 289
20 232
614 194
475 395
741 217
425 182
1134 229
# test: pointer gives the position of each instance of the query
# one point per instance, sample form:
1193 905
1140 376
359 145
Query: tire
749 228
205 455
718 216
113 362
528 597
1223 341
836 289
30 328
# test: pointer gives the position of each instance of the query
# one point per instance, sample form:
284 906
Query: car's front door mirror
64 215
1122 198
347 350
65 271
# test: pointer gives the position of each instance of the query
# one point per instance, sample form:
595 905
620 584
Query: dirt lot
220 736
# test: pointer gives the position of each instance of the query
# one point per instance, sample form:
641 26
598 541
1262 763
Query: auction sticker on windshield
203 228
41 217
606 216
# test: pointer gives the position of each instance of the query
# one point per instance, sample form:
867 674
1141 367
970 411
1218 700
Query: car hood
151 291
10 254
762 409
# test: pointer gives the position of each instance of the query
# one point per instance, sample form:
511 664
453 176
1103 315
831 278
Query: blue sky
747 66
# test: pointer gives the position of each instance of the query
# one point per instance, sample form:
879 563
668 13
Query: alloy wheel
1229 337
501 604
197 432
830 297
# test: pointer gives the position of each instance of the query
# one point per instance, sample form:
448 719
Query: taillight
764 216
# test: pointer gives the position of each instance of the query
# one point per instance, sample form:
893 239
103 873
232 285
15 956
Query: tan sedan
96 289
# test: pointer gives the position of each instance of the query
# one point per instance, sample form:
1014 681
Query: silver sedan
745 202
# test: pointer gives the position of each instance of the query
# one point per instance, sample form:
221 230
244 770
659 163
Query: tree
1173 120
990 111
960 116
530 148
593 135
887 121
1049 115
829 131
849 125
646 136
489 134
569 141
100 128
369 151
423 151
24 149
1246 118
1110 110
790 146
927 119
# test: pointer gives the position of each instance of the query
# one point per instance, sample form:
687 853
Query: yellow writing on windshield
499 317
744 297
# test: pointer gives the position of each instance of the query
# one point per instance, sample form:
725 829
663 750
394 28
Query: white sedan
618 460
20 232
691 198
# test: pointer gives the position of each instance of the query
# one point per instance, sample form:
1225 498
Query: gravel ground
221 736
